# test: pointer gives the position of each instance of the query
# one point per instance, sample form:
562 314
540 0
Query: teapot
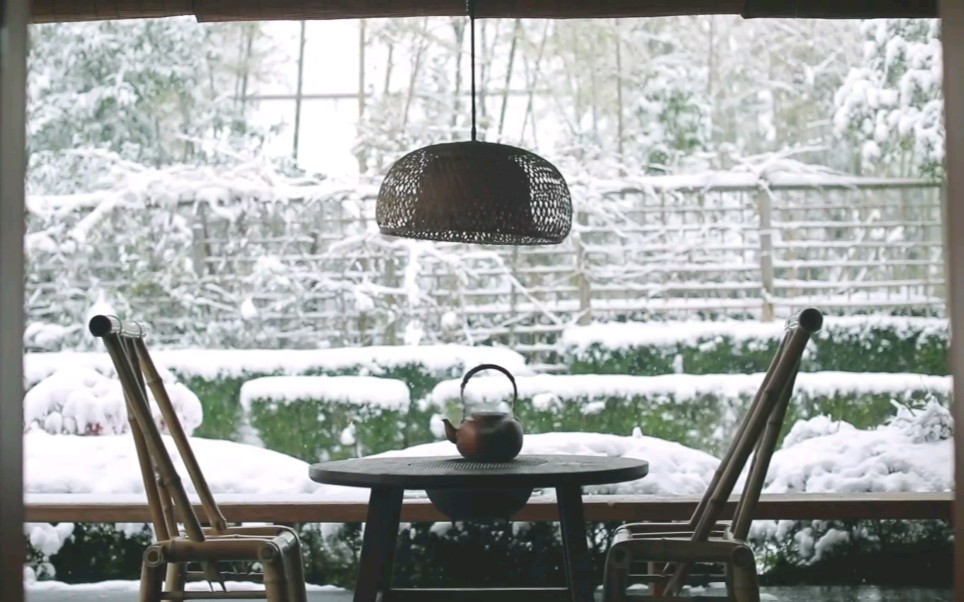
486 436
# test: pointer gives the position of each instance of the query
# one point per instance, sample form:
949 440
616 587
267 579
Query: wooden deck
310 509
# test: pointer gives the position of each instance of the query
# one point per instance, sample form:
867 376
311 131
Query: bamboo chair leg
616 576
743 583
275 584
152 576
174 582
296 573
657 588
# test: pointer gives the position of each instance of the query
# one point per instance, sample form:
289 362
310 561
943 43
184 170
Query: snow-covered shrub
43 541
700 411
319 418
216 375
929 423
912 452
83 401
848 344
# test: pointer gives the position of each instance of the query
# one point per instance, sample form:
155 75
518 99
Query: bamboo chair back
166 496
757 434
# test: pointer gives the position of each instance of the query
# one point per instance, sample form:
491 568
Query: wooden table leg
578 563
378 544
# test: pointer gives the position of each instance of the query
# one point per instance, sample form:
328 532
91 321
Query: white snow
386 393
214 363
84 401
893 457
134 586
622 335
544 388
108 465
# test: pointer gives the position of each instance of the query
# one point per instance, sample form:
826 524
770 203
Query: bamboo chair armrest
254 530
180 549
684 550
687 535
671 527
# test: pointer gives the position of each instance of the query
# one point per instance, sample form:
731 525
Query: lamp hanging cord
470 7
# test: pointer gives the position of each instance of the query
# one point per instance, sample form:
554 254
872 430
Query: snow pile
108 465
82 401
913 452
674 469
817 426
386 393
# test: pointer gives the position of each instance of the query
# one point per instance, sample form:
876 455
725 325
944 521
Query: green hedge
853 344
699 411
217 375
308 417
419 367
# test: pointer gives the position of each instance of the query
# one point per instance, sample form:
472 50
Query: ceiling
258 10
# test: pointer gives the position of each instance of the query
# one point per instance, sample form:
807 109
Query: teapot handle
479 368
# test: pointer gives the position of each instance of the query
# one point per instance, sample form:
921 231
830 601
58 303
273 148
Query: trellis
305 267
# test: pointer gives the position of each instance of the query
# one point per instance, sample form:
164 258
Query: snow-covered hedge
83 401
327 417
216 375
848 344
700 411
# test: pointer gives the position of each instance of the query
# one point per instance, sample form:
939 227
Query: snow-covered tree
153 91
890 108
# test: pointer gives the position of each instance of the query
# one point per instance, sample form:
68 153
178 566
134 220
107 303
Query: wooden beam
13 74
308 509
257 10
952 34
840 9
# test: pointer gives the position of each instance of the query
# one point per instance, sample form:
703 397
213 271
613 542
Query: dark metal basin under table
388 478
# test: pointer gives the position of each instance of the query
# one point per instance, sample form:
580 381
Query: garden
869 414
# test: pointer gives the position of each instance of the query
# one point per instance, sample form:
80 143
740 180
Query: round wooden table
389 477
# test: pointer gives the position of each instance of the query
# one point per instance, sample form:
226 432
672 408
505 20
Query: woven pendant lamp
475 192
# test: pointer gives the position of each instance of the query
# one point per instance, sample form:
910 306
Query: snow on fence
246 258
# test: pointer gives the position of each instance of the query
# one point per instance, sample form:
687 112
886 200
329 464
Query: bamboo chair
664 555
220 550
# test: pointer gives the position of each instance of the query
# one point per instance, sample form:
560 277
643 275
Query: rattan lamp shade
475 192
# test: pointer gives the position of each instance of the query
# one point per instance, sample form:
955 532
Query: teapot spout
451 433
